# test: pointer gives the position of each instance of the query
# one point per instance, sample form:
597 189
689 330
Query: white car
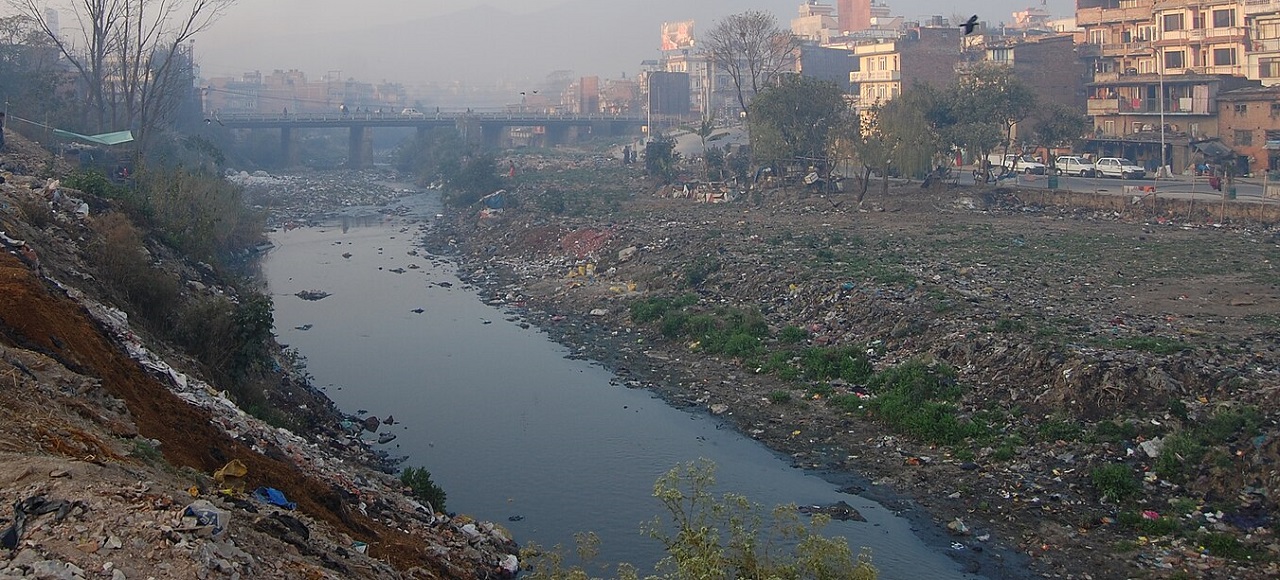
1073 165
1019 163
412 112
1119 167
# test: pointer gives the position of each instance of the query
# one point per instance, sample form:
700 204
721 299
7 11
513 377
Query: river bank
1074 353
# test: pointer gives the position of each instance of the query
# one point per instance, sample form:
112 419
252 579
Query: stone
599 312
719 409
1152 447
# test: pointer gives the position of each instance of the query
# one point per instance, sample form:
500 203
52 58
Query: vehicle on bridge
412 112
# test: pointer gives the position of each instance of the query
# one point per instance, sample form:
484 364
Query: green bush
418 480
1115 482
1226 546
847 363
649 309
792 335
1180 456
780 397
916 398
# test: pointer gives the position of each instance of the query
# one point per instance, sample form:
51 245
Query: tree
660 159
793 120
29 74
1061 126
752 49
133 56
902 135
985 102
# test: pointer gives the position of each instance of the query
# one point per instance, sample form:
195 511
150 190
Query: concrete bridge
485 128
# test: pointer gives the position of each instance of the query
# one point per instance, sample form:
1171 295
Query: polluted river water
514 430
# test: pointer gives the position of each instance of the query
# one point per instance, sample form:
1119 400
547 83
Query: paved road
1184 187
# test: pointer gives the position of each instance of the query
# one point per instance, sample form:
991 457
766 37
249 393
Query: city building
816 23
1044 62
1262 51
1159 67
854 15
1249 123
927 55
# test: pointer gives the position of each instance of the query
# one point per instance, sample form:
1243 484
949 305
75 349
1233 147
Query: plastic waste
274 497
202 513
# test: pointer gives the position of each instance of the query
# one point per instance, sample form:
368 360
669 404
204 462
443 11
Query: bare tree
752 49
133 56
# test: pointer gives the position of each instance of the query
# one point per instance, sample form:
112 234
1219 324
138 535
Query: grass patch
1152 344
792 335
1060 429
780 397
1226 546
1115 482
917 399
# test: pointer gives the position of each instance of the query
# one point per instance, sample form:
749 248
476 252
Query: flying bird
970 25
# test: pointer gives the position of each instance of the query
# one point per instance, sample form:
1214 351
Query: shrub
847 363
1180 454
780 397
916 398
418 480
792 335
1115 482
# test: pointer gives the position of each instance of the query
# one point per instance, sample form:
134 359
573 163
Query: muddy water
515 432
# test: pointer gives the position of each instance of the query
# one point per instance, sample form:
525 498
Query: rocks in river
371 424
386 437
837 511
312 295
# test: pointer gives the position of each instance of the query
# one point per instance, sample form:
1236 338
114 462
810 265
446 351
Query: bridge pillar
423 132
491 136
558 135
470 130
359 147
288 147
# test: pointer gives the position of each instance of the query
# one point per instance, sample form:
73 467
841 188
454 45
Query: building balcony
1199 35
1096 107
1264 45
1127 48
1252 7
875 76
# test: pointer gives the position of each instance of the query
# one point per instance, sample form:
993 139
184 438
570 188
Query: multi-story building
1262 51
923 54
1158 68
854 15
1249 123
815 23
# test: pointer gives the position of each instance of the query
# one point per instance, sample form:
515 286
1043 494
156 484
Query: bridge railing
339 118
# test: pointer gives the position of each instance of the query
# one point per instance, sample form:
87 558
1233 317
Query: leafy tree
985 102
899 136
752 49
660 158
727 537
793 119
720 538
471 178
1061 126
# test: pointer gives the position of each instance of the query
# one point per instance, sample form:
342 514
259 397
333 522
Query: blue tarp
273 496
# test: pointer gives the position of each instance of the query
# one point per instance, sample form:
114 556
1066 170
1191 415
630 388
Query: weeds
418 480
1115 482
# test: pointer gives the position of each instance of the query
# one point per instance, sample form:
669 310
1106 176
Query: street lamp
1160 71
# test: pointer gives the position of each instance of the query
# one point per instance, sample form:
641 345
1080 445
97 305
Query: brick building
1249 123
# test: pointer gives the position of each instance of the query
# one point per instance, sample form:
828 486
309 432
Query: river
511 428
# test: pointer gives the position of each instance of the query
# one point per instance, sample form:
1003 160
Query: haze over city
516 41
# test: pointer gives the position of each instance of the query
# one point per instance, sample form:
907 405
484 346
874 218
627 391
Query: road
1183 187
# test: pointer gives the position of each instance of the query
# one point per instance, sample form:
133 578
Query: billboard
677 35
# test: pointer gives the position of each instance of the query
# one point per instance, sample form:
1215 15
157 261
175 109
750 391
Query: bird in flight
970 25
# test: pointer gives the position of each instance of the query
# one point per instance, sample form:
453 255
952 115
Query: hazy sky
420 41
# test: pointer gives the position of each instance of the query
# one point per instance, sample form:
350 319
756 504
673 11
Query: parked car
1018 163
1119 167
1073 165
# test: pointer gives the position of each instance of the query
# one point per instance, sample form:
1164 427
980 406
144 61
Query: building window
1244 137
1175 59
1268 30
1275 109
1172 22
1097 37
1241 108
1224 56
1269 68
1224 18
1109 127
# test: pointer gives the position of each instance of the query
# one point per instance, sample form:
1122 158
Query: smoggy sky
481 41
